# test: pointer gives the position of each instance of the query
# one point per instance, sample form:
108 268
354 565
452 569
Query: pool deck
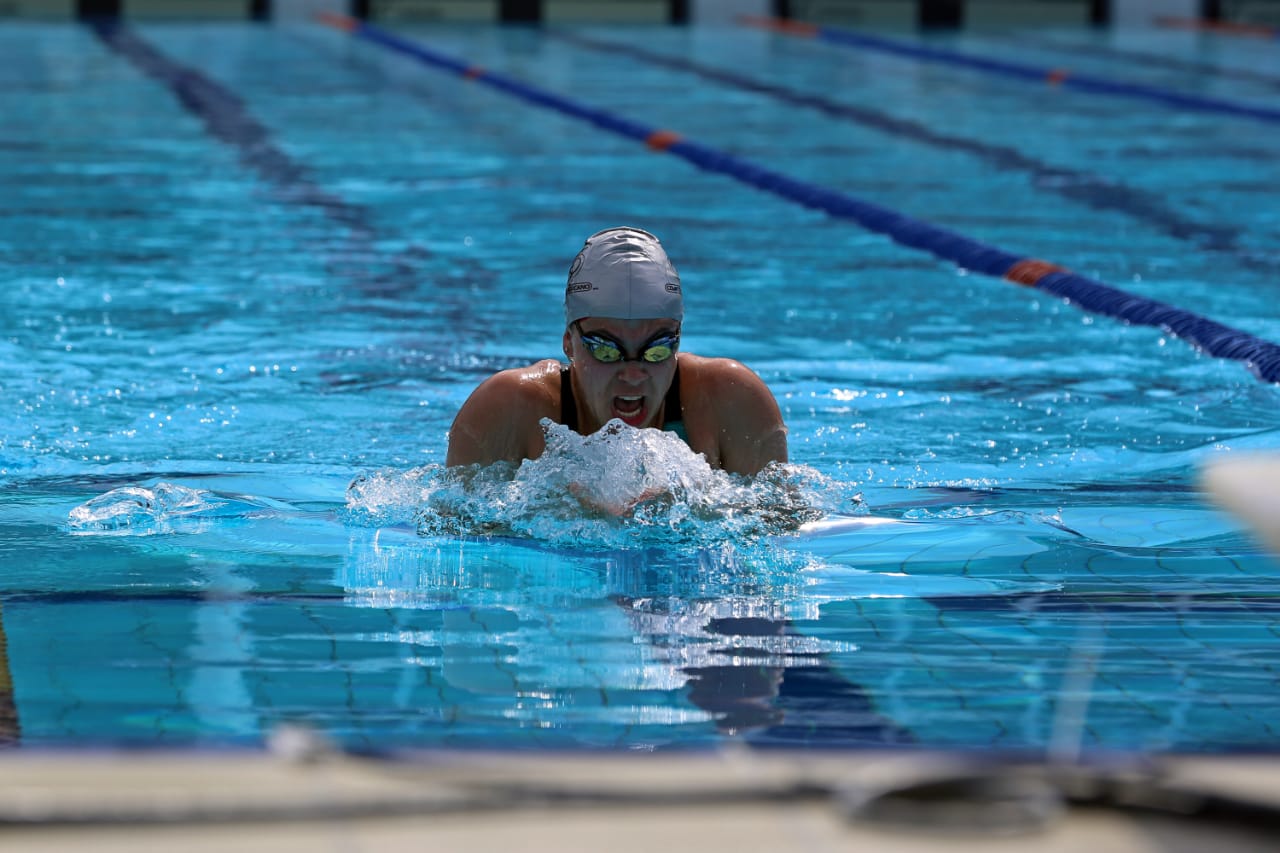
307 799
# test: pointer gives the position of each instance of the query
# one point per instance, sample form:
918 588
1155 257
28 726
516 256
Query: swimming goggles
608 351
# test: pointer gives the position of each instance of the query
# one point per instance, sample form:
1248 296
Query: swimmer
623 308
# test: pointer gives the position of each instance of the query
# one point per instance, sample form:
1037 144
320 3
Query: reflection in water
818 707
221 651
742 691
380 636
551 637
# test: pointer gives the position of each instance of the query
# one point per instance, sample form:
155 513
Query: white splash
135 510
620 487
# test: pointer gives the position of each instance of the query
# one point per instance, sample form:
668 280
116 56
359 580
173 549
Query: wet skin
729 414
630 390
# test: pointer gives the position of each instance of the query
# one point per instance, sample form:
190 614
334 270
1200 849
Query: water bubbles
135 510
385 498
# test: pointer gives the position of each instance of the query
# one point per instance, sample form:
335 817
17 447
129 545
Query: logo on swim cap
623 274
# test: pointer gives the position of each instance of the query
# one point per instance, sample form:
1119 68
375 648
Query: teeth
628 406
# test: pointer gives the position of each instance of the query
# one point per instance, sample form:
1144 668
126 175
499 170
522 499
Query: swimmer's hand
592 498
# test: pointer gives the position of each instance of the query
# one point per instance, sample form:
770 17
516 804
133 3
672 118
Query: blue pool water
250 273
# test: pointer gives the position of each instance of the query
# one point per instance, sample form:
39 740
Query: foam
620 487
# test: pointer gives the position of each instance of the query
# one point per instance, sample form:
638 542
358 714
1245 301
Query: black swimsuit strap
673 412
568 406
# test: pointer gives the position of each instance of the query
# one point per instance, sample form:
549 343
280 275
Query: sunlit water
235 334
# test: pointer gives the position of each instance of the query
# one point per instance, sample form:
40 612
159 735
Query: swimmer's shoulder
519 393
501 419
731 414
722 380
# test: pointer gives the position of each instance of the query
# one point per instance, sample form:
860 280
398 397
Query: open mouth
631 410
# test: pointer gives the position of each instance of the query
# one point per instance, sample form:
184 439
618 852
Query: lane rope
1081 187
1112 53
1260 356
1058 77
1231 28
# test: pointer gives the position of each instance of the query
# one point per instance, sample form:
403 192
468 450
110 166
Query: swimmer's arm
499 421
752 432
468 445
588 496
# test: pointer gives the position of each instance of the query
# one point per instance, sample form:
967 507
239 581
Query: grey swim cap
624 274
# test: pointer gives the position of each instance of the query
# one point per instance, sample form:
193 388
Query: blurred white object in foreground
1249 486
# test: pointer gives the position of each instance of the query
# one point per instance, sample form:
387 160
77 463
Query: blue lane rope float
1260 356
1017 70
1081 187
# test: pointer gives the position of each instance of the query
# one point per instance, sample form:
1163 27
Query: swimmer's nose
633 372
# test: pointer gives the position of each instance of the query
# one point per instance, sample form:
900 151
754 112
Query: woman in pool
623 307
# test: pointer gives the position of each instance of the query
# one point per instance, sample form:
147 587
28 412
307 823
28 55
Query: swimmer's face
631 389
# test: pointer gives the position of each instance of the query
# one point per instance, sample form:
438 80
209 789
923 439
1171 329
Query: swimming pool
247 267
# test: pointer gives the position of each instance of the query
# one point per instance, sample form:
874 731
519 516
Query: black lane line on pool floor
1127 603
1261 357
357 259
1089 190
228 120
133 595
